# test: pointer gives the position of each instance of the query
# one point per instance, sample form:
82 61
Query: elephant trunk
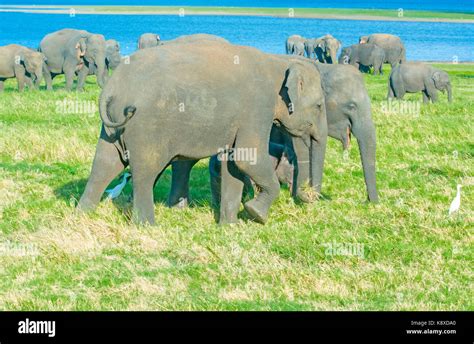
38 77
450 93
364 130
100 71
333 56
318 153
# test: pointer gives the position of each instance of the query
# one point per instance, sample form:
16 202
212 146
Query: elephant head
331 46
363 39
112 53
442 82
92 47
33 62
345 57
304 97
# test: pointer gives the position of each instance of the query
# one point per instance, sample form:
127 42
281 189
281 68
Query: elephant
310 46
148 40
295 45
365 55
392 45
112 58
200 101
325 48
69 51
412 77
22 63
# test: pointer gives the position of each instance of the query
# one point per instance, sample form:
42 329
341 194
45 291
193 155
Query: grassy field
341 13
411 255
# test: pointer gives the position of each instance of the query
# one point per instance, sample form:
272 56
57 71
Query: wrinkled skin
392 45
412 77
22 63
71 51
295 45
112 58
212 102
363 56
326 48
148 40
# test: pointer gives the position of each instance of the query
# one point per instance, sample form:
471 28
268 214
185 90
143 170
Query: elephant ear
436 76
294 85
81 48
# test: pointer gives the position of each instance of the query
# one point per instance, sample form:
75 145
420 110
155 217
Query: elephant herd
199 96
373 51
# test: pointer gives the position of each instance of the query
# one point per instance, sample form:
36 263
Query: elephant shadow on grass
200 191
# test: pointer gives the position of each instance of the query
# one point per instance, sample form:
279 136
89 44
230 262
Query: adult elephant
69 51
22 63
326 48
392 45
363 55
148 40
295 45
204 102
412 77
112 58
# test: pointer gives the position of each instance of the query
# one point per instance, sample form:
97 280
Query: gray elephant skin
365 55
412 77
295 45
22 63
148 40
69 51
213 101
392 45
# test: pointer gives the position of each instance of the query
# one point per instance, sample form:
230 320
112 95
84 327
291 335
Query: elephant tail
128 113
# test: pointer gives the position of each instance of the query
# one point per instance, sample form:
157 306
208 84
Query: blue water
436 5
423 40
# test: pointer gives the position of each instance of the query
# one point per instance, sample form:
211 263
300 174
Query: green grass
415 256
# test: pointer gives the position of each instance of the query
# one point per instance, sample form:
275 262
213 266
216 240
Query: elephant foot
257 210
181 204
85 206
307 195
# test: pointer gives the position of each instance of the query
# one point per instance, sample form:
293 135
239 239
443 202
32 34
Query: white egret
117 190
456 203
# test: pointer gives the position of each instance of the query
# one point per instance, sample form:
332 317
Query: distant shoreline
316 13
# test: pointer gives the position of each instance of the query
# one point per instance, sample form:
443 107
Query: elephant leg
390 92
106 166
231 187
179 194
262 172
145 169
20 76
69 73
433 94
81 78
48 78
426 99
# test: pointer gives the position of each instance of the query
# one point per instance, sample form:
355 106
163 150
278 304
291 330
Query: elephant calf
392 45
363 56
148 40
295 45
22 63
412 77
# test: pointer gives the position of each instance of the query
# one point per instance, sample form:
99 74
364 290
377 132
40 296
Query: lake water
423 40
436 5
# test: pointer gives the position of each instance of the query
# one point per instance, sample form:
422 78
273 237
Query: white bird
117 190
456 203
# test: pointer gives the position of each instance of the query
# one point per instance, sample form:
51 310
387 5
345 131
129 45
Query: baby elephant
22 63
363 56
412 77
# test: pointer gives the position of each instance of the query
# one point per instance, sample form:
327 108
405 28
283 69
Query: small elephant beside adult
22 63
413 77
71 51
199 107
392 45
324 48
112 58
363 56
295 45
